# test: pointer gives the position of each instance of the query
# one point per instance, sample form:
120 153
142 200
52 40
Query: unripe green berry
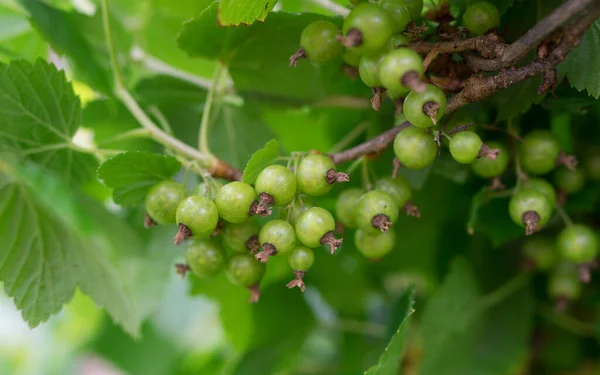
316 175
236 237
319 41
399 13
397 41
488 168
234 201
396 65
372 25
415 7
205 257
591 163
206 190
578 243
376 211
465 147
569 181
564 282
301 259
368 69
414 148
345 204
538 152
312 225
244 270
374 245
199 214
277 181
278 234
481 17
352 57
530 208
398 188
415 106
162 201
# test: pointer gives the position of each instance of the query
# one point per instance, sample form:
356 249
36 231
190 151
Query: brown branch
516 51
221 169
489 46
478 87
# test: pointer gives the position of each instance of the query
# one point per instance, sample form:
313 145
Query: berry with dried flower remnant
318 42
488 168
244 270
276 237
162 201
316 175
315 227
275 185
427 108
301 260
197 216
539 152
367 28
401 70
376 211
466 147
375 245
205 257
531 209
236 202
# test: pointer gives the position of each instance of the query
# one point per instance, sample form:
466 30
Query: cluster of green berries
373 214
228 210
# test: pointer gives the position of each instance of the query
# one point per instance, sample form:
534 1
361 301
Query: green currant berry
374 245
301 259
570 181
367 28
162 201
206 190
415 7
242 237
531 209
544 186
592 164
368 69
277 181
319 41
577 244
564 282
398 188
399 13
352 57
488 168
425 109
316 175
540 250
197 217
395 66
397 41
345 204
539 151
315 227
481 17
376 211
465 146
205 257
234 201
276 237
414 148
244 270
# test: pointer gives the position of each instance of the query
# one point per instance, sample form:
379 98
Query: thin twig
204 123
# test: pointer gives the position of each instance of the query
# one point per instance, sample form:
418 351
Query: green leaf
260 160
450 323
247 50
39 115
37 263
517 99
234 12
132 173
389 362
502 5
58 241
581 64
17 37
62 30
